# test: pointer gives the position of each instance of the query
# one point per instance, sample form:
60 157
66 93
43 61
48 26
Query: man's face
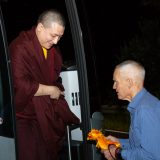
48 36
121 85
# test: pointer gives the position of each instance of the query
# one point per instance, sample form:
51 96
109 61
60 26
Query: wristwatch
118 153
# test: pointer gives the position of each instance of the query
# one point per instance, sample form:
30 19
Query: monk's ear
40 27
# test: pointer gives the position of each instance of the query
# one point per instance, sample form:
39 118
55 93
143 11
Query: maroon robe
40 120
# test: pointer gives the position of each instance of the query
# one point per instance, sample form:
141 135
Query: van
76 49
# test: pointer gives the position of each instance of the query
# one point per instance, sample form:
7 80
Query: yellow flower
94 134
102 141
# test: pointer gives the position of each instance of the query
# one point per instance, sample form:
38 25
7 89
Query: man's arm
149 127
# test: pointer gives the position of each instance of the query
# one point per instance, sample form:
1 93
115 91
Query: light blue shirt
144 132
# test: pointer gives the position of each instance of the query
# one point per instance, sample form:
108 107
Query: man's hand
114 139
110 152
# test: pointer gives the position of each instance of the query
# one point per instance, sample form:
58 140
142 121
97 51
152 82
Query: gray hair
132 69
51 16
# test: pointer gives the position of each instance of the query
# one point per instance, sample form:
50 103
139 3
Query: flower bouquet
101 141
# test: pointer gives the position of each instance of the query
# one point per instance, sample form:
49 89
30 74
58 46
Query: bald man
144 109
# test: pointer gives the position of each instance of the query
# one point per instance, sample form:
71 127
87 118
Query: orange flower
102 141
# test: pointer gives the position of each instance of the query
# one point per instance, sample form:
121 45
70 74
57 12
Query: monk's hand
56 93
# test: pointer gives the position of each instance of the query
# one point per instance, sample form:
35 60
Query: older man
41 110
144 108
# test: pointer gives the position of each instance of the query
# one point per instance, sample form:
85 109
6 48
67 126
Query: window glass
5 92
7 120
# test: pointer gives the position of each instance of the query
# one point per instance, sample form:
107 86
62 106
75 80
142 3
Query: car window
7 118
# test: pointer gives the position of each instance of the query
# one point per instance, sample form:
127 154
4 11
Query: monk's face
48 36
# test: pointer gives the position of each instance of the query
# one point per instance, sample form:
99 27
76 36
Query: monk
42 113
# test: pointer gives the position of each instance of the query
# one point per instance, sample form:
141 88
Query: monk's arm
53 91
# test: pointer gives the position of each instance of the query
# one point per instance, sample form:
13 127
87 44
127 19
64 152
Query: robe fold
40 120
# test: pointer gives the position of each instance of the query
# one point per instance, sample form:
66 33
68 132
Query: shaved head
133 70
51 16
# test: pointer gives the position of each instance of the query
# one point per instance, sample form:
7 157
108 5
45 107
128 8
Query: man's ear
130 83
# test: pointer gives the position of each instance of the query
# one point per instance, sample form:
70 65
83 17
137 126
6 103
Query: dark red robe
40 120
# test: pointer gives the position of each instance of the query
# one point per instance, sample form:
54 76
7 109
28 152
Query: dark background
127 29
112 26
